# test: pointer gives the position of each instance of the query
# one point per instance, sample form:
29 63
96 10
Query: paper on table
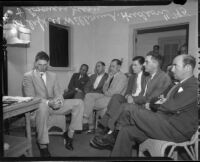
16 98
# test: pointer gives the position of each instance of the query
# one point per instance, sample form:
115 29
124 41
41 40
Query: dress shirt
138 84
44 77
97 81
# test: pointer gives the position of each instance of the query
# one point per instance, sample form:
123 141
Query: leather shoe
96 146
44 152
68 142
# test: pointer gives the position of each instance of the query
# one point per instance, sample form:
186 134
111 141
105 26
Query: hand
147 106
55 104
161 100
130 99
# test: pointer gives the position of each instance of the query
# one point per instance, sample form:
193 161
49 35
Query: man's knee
117 97
88 96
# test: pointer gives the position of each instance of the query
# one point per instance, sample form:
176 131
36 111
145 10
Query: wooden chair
158 147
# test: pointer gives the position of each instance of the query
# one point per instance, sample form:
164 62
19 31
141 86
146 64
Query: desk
20 145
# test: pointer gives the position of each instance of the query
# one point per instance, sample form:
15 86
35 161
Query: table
20 145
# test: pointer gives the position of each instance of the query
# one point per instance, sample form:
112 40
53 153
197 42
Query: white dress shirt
97 81
44 77
138 84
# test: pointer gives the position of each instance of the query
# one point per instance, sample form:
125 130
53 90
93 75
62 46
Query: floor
81 146
57 148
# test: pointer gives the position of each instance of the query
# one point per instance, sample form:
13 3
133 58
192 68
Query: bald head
183 66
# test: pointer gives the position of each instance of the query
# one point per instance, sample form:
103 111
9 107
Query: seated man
136 86
156 84
77 84
115 84
174 119
43 84
97 80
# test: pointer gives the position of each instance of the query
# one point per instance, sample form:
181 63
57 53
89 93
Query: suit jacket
89 87
181 108
75 82
117 86
156 87
132 83
33 86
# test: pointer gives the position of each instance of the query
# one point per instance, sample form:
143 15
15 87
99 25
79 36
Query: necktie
146 87
110 82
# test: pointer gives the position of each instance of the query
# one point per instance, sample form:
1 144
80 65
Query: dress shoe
106 140
85 127
44 152
94 145
68 142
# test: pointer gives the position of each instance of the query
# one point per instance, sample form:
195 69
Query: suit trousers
75 106
136 124
113 112
94 101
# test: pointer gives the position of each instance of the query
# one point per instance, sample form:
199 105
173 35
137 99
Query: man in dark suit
97 80
157 83
77 84
175 119
136 86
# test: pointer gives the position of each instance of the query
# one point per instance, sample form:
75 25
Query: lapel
134 83
175 91
101 81
153 82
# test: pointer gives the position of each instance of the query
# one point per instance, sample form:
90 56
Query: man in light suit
43 84
77 84
136 86
157 83
175 118
115 84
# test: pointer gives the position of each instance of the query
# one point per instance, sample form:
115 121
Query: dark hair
85 66
140 59
156 46
41 56
102 63
117 61
189 60
156 57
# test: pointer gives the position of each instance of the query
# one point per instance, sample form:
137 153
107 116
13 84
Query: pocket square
180 90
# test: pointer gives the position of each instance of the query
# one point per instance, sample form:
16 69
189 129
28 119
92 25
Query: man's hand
78 90
55 104
147 106
130 99
161 100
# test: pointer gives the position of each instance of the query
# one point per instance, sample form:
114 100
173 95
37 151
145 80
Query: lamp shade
16 34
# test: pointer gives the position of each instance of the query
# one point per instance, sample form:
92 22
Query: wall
17 61
104 39
145 42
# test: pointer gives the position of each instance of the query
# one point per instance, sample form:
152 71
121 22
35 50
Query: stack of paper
8 100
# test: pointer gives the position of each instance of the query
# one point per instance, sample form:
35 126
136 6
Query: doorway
169 39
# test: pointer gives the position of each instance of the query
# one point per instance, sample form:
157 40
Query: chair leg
189 153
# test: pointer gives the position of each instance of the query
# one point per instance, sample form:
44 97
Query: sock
110 131
70 133
42 146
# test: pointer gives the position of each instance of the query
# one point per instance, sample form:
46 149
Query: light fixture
15 33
